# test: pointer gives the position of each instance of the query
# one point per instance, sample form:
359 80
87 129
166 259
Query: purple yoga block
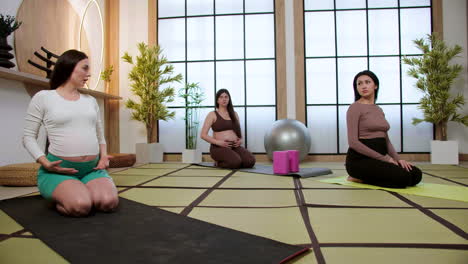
293 160
280 162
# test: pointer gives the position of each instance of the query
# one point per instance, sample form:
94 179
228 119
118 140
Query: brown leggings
232 158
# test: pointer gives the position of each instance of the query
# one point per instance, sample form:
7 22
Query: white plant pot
191 156
149 153
444 152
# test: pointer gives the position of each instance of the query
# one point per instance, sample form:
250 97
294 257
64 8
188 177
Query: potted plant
193 96
151 71
435 76
8 24
106 75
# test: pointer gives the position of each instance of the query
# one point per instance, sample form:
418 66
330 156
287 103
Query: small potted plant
106 76
435 76
151 71
8 24
193 96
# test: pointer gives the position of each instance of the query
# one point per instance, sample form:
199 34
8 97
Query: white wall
133 29
10 7
455 32
14 100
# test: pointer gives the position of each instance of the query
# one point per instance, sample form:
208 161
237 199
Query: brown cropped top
222 124
368 121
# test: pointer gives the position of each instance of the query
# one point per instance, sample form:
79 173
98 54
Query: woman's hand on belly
224 143
226 138
238 142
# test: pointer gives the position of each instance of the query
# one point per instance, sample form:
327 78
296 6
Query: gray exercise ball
287 134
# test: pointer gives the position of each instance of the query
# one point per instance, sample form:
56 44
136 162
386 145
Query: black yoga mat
268 169
137 233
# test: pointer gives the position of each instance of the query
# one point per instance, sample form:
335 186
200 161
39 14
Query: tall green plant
150 72
435 75
193 96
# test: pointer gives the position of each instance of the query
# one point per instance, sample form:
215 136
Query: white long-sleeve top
74 128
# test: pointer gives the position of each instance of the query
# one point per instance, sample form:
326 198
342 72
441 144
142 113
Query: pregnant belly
228 135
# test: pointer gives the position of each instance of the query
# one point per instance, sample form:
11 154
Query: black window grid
245 106
367 56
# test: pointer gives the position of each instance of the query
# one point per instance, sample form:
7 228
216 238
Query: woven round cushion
21 174
120 160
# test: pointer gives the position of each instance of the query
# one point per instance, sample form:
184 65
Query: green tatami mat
449 173
162 197
251 198
203 182
8 225
458 193
176 210
152 172
432 179
457 217
201 172
432 202
130 180
306 258
254 180
425 167
165 165
315 183
352 198
374 255
281 224
13 250
462 180
372 225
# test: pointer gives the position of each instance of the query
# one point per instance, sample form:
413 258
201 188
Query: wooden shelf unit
44 83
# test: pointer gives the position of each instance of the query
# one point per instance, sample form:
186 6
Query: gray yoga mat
268 169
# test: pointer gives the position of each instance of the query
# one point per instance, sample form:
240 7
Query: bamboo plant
193 96
435 76
150 73
106 76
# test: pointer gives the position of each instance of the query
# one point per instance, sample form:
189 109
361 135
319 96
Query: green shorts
47 181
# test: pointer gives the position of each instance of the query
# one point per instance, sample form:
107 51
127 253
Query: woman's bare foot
351 179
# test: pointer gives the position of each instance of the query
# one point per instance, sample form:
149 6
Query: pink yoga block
280 162
293 160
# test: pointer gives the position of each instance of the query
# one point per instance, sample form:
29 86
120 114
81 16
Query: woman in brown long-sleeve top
371 157
226 141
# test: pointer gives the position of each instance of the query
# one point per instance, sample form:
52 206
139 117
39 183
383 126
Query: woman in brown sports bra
226 141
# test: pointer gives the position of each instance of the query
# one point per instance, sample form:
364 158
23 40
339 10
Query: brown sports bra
222 124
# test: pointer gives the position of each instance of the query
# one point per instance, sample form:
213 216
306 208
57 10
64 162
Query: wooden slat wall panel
111 107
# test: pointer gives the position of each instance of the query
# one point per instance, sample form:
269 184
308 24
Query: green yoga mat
442 191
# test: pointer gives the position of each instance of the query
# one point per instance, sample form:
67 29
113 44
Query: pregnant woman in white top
73 173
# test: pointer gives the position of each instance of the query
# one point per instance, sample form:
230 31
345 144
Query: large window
221 44
344 37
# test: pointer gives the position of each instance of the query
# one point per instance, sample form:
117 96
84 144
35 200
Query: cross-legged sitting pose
371 157
73 173
226 141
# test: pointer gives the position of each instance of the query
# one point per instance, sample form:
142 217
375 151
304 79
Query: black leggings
377 172
232 158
